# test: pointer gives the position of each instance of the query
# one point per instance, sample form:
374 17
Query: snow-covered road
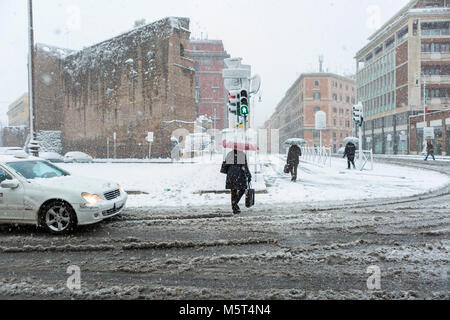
312 250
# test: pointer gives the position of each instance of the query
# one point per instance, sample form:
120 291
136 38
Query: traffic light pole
360 143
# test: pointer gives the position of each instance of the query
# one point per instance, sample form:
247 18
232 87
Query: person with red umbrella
235 167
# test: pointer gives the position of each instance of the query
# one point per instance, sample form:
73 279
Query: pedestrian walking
430 150
235 167
293 160
350 151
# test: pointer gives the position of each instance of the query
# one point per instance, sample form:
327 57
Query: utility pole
33 146
425 99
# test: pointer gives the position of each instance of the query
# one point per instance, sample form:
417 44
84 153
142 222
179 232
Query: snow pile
50 141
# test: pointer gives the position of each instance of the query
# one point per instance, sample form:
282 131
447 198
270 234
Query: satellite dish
255 84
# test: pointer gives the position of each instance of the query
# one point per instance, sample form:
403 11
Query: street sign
255 84
403 136
428 133
321 120
233 63
232 84
149 137
236 73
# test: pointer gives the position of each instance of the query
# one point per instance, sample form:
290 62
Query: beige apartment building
19 112
294 116
405 60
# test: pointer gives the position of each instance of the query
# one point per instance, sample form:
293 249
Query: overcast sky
279 38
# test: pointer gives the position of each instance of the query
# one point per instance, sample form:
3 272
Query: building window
181 50
436 28
316 109
316 95
402 35
316 83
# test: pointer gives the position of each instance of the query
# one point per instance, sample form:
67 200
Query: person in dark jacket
238 177
430 150
293 159
350 150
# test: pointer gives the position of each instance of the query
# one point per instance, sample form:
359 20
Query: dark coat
293 155
430 148
350 150
238 174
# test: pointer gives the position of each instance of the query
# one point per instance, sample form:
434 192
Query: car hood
76 184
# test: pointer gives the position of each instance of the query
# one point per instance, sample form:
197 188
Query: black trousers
236 196
294 169
430 153
351 160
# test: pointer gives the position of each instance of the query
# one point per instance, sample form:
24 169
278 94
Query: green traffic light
244 110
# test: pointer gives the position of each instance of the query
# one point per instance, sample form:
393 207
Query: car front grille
112 194
109 212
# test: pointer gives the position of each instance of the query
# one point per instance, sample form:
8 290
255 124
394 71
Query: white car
34 191
13 151
51 156
78 157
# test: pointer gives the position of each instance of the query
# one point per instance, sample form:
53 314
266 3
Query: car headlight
91 198
121 189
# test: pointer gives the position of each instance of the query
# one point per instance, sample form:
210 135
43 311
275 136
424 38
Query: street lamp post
33 148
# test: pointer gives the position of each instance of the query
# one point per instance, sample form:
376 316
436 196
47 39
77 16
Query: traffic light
358 114
244 110
233 102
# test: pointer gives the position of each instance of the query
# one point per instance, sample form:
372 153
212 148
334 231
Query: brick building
312 92
129 85
412 47
440 122
209 56
48 86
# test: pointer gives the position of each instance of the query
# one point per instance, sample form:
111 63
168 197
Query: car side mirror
10 184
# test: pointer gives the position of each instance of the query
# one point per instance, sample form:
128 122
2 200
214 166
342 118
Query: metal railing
320 156
367 158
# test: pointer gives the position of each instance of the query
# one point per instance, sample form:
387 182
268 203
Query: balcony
435 56
444 79
444 102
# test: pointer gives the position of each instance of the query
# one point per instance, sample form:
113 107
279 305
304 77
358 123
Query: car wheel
58 217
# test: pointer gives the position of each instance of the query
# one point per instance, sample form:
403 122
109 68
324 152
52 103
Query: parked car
13 151
341 151
55 199
52 157
78 157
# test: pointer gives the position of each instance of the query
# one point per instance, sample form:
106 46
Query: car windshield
37 169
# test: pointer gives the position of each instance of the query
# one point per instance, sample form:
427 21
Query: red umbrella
239 145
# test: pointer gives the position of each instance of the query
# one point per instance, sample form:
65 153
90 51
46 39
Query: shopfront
438 136
389 143
402 142
378 143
